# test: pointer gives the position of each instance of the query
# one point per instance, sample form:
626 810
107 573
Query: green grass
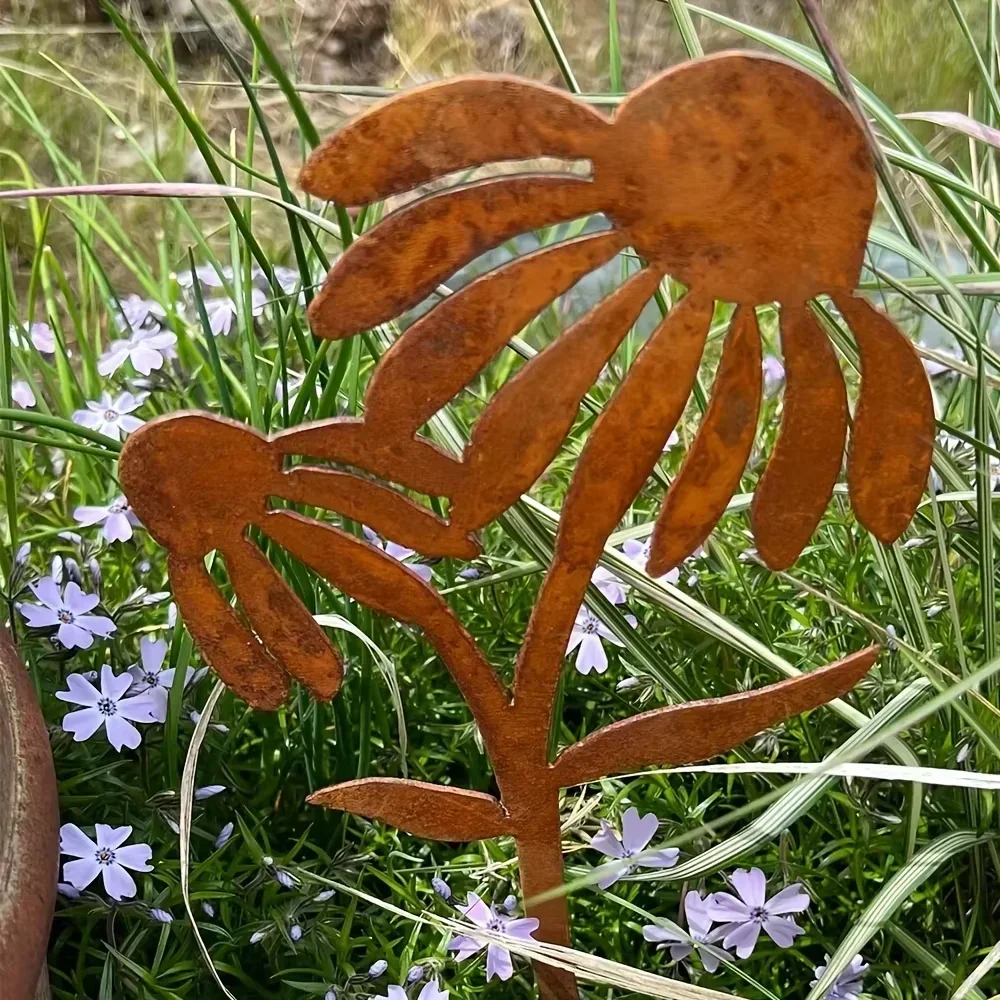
907 872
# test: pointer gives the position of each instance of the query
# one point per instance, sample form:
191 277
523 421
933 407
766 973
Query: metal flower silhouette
710 172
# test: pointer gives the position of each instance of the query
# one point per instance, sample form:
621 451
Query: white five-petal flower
149 677
117 517
108 707
588 631
637 832
849 984
699 935
69 611
146 350
111 417
109 858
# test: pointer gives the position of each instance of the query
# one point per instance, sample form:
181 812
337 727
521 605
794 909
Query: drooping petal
82 724
121 733
521 927
117 527
742 937
724 907
89 515
710 958
117 882
74 637
696 911
791 899
782 930
666 858
612 874
407 255
751 885
893 435
799 479
591 655
438 129
465 946
498 962
522 427
73 841
656 933
679 952
606 841
81 873
712 468
638 831
111 836
575 638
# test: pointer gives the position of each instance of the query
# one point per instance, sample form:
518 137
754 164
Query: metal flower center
66 617
105 856
106 706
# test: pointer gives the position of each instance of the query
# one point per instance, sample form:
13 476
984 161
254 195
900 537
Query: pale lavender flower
208 909
638 552
145 349
609 585
400 553
69 610
377 968
415 974
699 934
295 932
322 897
67 890
441 887
108 707
22 394
117 517
498 960
849 984
40 334
224 834
150 678
287 879
469 573
195 716
588 631
107 858
510 904
774 372
206 274
258 936
221 311
331 994
294 380
207 792
111 417
430 991
136 312
160 916
637 832
746 914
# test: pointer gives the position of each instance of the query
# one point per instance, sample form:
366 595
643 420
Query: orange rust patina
709 172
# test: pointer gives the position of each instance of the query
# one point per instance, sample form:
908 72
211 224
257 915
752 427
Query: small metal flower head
699 936
751 216
749 912
68 613
108 857
636 834
498 960
849 985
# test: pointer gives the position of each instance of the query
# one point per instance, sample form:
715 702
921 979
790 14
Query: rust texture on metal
709 173
29 832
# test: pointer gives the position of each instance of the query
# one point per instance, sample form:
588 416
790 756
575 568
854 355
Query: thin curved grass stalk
737 123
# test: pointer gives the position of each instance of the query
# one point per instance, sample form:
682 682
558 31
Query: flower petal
112 685
654 932
638 832
74 637
606 841
135 856
498 962
781 930
89 515
476 910
112 836
591 655
117 528
38 616
465 946
791 899
97 624
742 937
521 927
152 652
81 873
73 841
665 858
77 601
83 723
47 591
150 706
118 883
679 952
726 908
751 885
121 733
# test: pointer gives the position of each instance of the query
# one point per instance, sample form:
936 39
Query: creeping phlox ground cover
743 880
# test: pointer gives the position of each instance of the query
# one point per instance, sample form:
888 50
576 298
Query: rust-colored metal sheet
709 173
29 832
798 482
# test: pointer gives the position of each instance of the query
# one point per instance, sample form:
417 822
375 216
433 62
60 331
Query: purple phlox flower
146 349
377 968
637 832
498 960
774 372
287 879
149 677
22 394
40 334
288 278
849 984
160 916
609 585
67 890
699 935
69 610
207 792
638 552
441 887
108 858
400 553
111 417
117 517
222 310
224 834
744 915
135 312
510 904
295 932
588 631
207 275
430 991
108 707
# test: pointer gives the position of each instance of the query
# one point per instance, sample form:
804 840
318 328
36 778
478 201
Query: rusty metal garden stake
711 173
